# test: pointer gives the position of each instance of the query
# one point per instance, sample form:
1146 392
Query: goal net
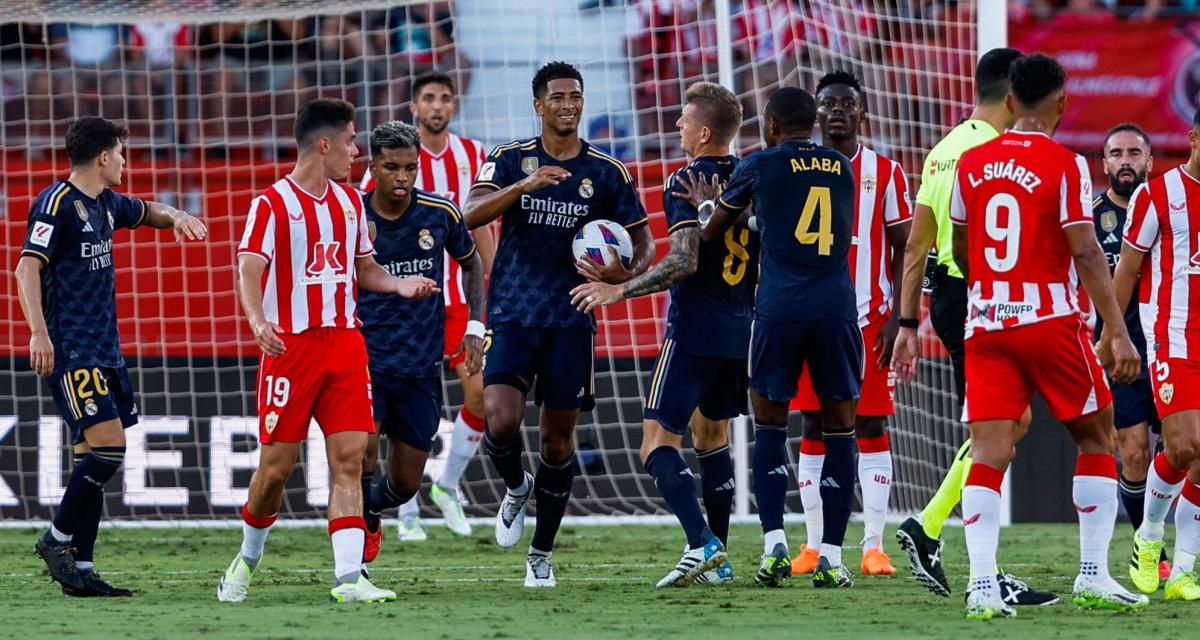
208 89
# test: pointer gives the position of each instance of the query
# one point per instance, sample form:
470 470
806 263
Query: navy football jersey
711 310
407 337
72 234
534 270
803 196
1109 218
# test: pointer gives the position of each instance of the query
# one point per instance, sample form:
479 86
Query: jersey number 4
820 205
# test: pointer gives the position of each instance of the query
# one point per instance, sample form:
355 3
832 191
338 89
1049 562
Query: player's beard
435 129
1125 188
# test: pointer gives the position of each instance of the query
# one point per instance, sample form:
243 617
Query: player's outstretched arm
472 344
916 250
1092 267
485 204
678 264
185 226
29 291
250 274
373 277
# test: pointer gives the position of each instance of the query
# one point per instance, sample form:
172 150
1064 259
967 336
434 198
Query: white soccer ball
594 239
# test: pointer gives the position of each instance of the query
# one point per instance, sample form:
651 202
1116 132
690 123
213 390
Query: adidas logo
88 227
830 483
729 486
781 470
686 472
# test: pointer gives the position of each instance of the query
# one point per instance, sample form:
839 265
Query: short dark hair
394 135
719 109
839 77
554 71
1033 78
991 74
1131 127
90 136
793 108
319 115
432 76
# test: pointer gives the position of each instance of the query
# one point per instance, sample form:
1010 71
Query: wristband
909 323
475 328
702 216
752 223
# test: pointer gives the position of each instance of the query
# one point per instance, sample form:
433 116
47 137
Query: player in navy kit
700 379
66 283
1127 162
544 190
805 315
405 338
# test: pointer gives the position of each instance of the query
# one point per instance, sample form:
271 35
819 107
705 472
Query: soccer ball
593 240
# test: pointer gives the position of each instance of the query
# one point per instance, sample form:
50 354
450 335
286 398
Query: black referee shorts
948 314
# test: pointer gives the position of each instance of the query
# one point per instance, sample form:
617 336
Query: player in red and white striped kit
882 221
300 263
448 164
1164 226
1024 239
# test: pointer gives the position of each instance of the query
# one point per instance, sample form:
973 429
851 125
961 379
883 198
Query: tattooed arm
678 264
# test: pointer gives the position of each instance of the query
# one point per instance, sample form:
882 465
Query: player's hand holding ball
545 176
188 226
416 287
41 354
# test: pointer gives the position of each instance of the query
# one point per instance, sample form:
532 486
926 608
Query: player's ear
1062 104
1010 104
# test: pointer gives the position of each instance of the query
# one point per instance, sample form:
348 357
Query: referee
921 537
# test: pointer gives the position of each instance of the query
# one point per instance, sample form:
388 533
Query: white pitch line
411 569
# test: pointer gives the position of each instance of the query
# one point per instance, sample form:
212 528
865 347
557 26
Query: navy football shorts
559 364
683 382
87 396
407 409
831 349
1133 404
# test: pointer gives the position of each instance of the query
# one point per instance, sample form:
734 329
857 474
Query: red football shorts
322 375
1176 383
1053 357
878 387
456 328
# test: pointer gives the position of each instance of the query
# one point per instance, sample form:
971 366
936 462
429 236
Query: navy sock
83 501
1133 498
372 519
678 488
837 485
88 527
384 496
716 482
552 486
770 473
507 457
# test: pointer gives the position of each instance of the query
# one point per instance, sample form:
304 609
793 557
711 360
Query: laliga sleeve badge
271 421
425 239
1166 391
90 407
585 188
529 165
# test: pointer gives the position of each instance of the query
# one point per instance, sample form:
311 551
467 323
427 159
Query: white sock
808 476
347 552
85 565
409 510
772 538
1187 535
981 527
523 489
833 554
253 542
58 535
875 477
464 442
1159 497
1096 504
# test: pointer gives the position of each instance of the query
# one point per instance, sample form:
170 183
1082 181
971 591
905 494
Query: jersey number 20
820 205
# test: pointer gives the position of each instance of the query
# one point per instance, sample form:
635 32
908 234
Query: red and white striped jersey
448 174
1016 194
882 201
310 244
1164 221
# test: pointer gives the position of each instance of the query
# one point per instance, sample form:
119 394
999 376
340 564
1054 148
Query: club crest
868 184
1166 391
425 239
585 188
270 421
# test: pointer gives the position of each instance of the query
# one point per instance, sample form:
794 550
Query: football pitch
452 587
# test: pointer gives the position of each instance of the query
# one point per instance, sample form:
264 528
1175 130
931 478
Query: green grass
468 588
